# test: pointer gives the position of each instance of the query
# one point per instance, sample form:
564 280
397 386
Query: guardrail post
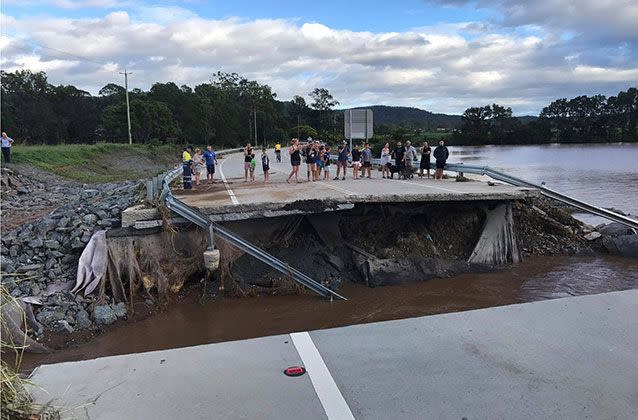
150 190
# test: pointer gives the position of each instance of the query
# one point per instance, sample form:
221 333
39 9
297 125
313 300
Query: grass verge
104 162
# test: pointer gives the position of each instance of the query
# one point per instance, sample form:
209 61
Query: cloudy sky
440 55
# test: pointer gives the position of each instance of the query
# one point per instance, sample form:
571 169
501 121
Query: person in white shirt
6 147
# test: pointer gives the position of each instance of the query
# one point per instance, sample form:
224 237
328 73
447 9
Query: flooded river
601 174
189 322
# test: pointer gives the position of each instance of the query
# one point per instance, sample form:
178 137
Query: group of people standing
194 163
317 157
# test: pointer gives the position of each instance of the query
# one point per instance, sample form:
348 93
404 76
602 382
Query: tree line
583 119
230 110
227 111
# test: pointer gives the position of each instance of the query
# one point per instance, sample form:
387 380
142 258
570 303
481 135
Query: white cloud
439 67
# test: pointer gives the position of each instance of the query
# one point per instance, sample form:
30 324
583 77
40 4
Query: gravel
47 222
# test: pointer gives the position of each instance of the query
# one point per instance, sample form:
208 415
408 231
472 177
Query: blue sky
442 55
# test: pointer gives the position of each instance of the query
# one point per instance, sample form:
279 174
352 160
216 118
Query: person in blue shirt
211 161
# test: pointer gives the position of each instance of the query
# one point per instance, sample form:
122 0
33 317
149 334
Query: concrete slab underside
565 358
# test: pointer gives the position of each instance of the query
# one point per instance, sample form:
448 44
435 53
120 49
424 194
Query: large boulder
625 245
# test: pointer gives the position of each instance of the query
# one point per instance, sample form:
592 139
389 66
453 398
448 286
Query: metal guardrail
581 205
189 213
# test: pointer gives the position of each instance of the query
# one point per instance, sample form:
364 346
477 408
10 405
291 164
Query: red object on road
295 371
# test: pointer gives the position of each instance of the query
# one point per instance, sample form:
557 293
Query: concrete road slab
235 380
236 196
572 358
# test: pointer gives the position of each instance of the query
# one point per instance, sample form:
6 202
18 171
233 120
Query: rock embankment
39 257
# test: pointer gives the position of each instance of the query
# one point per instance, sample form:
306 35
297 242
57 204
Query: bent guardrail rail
581 205
194 216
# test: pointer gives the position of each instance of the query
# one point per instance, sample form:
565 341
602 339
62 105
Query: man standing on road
366 155
410 154
342 160
211 160
440 154
6 147
399 156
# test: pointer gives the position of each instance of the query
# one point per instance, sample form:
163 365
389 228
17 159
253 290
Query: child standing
326 164
265 164
252 168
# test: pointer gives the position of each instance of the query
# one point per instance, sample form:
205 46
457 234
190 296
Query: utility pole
128 107
255 115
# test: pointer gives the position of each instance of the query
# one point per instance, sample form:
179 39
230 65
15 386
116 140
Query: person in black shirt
440 154
424 164
249 155
399 156
356 161
295 159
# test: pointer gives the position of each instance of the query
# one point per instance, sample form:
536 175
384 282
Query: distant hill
419 118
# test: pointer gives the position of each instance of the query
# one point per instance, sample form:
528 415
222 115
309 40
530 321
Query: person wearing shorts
249 155
366 155
265 164
342 160
311 158
326 164
295 160
211 160
356 162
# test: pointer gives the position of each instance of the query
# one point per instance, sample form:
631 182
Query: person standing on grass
356 161
424 164
211 160
385 159
441 154
265 164
7 142
366 155
249 155
342 160
295 160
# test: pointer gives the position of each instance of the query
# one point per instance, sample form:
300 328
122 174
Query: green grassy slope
99 162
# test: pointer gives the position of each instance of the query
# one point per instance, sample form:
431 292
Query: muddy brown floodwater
188 322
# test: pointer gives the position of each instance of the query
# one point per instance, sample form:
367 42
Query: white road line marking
427 186
233 198
343 190
331 399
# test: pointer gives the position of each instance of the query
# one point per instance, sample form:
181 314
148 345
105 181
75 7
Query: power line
40 44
